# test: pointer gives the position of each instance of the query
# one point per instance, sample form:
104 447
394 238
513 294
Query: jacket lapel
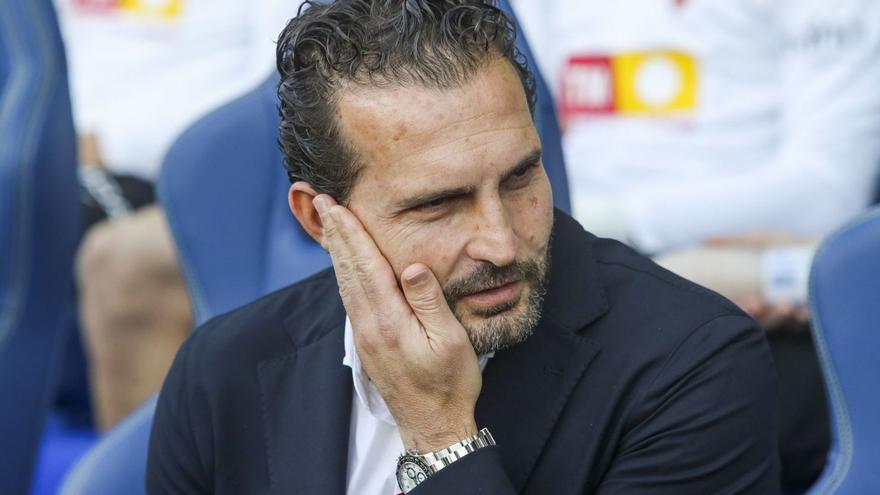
306 398
525 388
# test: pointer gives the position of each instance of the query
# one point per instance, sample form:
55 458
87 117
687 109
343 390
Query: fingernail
321 204
417 278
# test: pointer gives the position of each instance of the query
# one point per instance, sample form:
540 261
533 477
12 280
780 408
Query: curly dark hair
437 44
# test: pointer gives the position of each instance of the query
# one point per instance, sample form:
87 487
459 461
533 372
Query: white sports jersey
690 119
141 71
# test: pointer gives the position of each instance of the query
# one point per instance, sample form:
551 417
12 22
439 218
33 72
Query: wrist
431 438
414 468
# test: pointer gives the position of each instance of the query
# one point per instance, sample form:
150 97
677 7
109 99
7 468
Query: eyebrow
427 197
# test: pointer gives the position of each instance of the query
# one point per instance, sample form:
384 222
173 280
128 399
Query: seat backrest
845 302
116 465
224 191
39 227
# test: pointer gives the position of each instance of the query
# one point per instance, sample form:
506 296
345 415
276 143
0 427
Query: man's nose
493 238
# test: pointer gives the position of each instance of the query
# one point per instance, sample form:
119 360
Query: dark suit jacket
635 381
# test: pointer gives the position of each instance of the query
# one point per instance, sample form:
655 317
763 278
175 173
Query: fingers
366 280
425 296
369 287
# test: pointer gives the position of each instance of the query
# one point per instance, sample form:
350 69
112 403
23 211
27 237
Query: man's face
453 179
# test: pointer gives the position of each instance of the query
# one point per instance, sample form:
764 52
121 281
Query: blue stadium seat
845 301
116 465
234 232
39 228
224 191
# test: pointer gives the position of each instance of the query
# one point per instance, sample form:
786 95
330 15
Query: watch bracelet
446 456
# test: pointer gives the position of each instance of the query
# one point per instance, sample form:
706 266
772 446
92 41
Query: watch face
410 472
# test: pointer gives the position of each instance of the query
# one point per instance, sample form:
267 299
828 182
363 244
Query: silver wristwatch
414 467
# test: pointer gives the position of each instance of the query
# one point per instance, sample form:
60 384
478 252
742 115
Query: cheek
533 216
434 245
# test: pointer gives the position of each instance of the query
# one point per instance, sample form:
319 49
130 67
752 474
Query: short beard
500 331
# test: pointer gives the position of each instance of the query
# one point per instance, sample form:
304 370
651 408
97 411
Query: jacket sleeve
479 472
175 460
705 424
707 421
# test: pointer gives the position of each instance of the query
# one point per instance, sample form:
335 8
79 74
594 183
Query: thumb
425 297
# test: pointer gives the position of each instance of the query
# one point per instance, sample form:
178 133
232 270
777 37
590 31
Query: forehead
401 134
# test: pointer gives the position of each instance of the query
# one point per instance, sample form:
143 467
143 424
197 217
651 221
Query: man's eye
521 175
520 172
433 204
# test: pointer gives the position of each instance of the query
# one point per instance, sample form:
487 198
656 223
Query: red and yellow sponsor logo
162 9
651 83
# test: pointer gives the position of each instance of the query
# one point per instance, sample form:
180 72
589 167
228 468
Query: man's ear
300 198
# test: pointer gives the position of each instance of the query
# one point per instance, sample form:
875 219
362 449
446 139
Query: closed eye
436 203
433 204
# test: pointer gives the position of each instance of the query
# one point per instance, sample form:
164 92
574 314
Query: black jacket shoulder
262 329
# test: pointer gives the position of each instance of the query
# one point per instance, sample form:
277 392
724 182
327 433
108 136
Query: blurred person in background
724 138
141 71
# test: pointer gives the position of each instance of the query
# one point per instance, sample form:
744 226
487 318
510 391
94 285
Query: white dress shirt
374 442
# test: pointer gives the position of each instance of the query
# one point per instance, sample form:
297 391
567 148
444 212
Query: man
408 136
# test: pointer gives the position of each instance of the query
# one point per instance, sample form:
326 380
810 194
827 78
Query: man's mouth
496 296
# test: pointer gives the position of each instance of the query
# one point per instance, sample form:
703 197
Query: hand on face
413 348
